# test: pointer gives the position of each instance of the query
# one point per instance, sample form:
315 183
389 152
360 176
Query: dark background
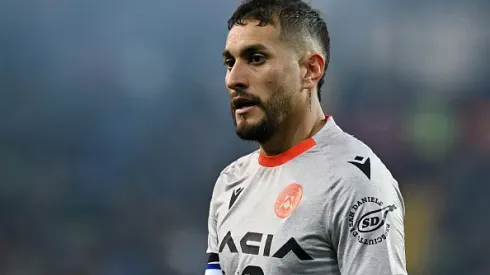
114 126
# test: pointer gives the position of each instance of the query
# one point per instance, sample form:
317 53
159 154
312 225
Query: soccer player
312 199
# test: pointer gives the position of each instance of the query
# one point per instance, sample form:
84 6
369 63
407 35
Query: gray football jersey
327 206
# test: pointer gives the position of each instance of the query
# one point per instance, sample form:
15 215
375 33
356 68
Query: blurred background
114 125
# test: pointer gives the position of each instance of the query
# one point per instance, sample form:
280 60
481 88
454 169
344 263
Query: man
312 199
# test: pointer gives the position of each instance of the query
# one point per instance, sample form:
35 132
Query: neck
294 130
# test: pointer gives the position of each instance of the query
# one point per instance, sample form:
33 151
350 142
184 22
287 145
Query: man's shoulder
337 144
348 156
240 164
235 171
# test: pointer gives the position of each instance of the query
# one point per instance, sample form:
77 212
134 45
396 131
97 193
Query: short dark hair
296 19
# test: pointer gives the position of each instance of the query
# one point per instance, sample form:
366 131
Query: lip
243 105
244 110
239 99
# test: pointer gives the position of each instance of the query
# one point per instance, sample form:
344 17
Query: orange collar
298 149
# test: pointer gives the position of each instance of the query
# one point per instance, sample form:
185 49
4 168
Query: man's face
262 77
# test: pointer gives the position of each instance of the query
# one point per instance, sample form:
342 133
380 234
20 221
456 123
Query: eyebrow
247 50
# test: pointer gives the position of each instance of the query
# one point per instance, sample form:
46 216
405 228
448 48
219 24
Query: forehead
240 36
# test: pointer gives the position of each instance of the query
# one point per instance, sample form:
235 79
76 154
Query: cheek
294 74
272 83
265 84
275 79
287 78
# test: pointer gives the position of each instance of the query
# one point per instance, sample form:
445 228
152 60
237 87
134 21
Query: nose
236 78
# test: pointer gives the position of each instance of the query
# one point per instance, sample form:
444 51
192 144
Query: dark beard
260 132
276 109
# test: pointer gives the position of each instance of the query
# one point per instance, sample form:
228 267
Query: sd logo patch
367 217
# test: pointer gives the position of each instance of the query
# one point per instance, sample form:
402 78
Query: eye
257 59
229 62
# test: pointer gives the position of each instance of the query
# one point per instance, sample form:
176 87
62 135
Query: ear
314 64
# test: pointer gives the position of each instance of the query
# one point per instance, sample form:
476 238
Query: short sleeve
365 222
213 265
212 224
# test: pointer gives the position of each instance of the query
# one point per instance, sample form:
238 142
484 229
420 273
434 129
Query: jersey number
253 270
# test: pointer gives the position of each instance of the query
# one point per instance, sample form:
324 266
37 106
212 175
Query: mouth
243 105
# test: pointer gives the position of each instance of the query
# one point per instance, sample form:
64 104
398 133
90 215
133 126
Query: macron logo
234 196
363 164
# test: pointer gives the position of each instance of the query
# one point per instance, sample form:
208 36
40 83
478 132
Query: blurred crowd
114 125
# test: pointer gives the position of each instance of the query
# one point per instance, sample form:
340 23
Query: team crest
288 200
